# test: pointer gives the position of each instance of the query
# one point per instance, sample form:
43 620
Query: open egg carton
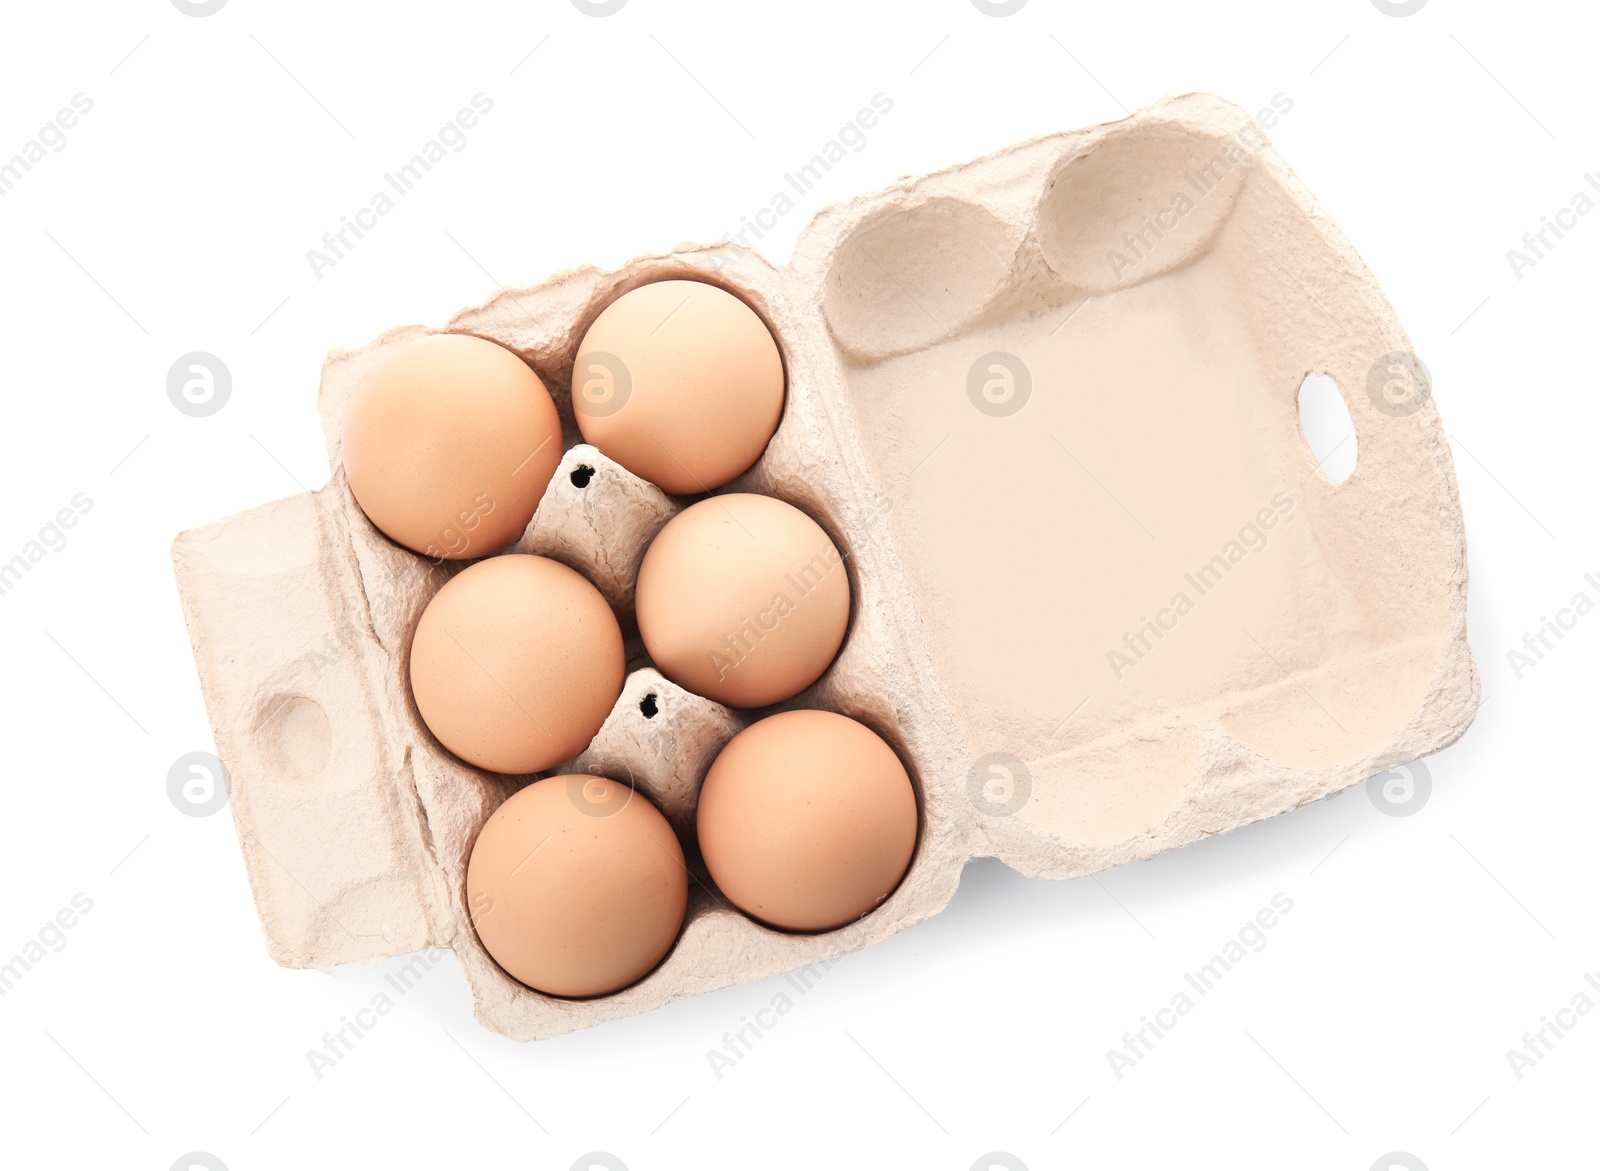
1104 601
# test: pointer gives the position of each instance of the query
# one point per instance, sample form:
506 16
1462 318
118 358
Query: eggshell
577 886
448 445
807 820
516 663
744 599
679 382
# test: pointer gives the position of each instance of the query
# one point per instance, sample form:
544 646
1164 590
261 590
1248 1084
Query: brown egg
449 442
807 820
679 382
743 599
516 663
577 886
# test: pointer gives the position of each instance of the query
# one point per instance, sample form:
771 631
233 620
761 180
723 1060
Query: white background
177 218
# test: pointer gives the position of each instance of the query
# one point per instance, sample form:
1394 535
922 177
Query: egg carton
1039 401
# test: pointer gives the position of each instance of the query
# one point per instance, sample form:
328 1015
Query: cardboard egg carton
1104 601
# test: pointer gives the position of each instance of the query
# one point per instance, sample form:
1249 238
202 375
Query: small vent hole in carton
1325 423
647 706
581 475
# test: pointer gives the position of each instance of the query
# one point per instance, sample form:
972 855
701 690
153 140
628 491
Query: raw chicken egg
577 886
743 599
516 662
449 443
807 820
679 382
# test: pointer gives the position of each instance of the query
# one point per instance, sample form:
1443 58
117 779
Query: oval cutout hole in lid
1327 428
